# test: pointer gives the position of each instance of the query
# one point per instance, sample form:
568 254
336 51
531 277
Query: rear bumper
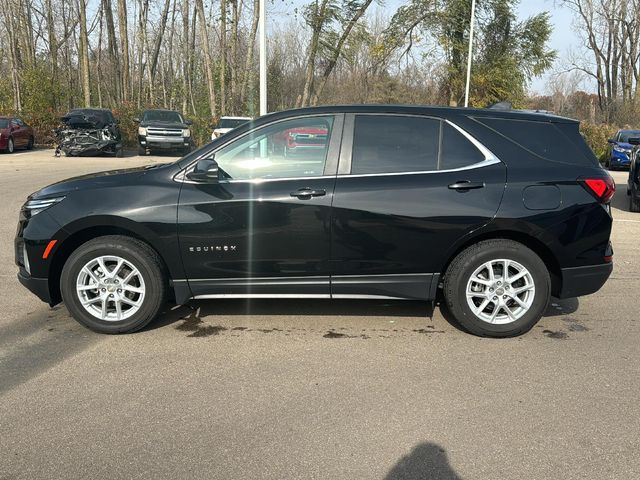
578 281
37 286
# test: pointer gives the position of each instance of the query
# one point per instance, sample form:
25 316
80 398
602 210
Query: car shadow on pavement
427 461
295 308
33 345
558 307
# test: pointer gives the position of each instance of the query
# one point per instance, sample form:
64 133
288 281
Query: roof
438 111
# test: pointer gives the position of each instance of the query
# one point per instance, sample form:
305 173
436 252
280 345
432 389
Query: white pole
466 91
263 58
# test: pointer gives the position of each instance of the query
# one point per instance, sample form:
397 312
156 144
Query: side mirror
611 140
188 122
136 120
634 140
206 171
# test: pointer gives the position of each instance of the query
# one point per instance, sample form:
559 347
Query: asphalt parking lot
315 389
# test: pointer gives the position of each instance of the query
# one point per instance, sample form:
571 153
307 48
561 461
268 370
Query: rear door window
394 144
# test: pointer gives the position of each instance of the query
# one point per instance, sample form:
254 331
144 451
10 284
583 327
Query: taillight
601 188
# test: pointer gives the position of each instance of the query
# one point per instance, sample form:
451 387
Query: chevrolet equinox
494 210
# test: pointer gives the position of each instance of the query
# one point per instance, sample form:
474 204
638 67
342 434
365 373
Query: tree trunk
223 56
84 54
207 57
319 17
113 47
337 50
124 46
248 66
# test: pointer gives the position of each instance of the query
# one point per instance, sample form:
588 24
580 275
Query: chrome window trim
338 119
489 159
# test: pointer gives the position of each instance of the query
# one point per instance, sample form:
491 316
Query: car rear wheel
30 144
497 288
10 145
114 284
634 204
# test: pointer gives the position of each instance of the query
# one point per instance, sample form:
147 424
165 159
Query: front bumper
161 142
37 286
578 281
619 159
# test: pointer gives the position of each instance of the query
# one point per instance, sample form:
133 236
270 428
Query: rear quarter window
559 142
457 151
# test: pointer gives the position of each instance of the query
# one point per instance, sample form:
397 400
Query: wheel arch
83 235
529 241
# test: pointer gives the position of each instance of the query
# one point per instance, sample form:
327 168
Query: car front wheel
497 288
113 284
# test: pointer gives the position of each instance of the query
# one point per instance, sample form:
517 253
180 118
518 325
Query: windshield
231 122
104 116
4 122
625 135
161 116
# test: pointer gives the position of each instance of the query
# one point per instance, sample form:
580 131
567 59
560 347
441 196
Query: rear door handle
307 193
464 185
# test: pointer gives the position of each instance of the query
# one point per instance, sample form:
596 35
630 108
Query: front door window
289 149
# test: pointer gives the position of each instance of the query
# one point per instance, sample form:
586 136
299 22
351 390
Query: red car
301 139
14 133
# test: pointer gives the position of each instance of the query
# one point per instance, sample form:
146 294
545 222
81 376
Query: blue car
620 149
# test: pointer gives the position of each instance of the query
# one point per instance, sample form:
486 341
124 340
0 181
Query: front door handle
307 193
464 185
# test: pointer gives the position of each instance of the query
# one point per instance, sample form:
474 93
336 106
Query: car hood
93 180
624 145
155 124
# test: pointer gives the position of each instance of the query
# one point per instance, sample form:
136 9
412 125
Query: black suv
498 210
163 130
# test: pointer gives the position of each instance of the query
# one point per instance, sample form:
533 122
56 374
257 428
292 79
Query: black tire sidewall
152 276
512 251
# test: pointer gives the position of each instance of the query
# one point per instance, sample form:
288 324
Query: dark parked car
498 210
633 181
620 149
87 132
163 130
14 133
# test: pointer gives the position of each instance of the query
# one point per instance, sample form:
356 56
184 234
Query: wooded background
201 57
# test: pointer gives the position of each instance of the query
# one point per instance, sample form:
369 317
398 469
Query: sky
563 39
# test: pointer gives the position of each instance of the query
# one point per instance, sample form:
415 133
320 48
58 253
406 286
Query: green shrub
596 136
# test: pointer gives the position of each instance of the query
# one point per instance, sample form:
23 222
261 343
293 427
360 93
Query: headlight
142 131
618 148
35 206
186 132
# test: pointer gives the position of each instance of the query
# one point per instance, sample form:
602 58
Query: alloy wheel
500 291
110 288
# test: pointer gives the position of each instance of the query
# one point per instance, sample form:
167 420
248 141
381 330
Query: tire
472 263
634 204
30 144
120 152
149 284
10 146
142 151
